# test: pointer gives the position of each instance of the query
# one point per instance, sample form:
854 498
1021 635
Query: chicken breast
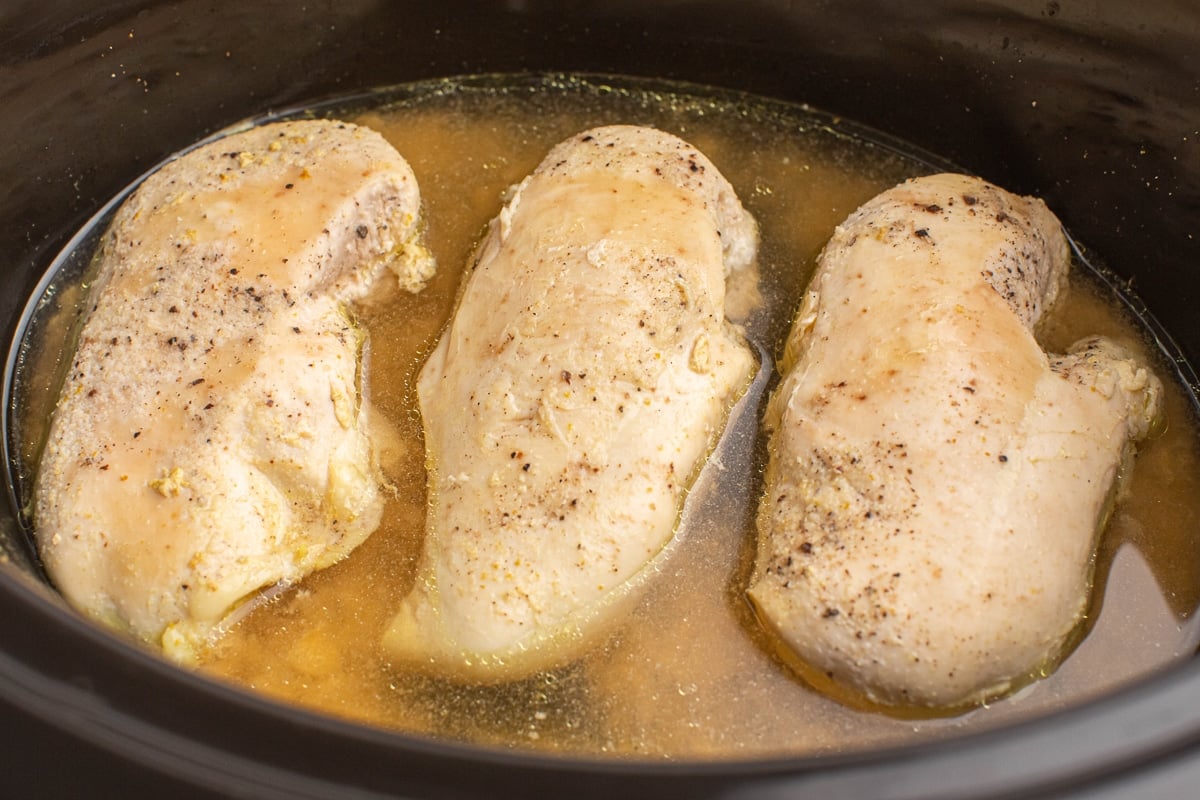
211 438
587 372
936 482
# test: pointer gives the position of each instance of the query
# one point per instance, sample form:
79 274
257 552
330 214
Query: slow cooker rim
1157 695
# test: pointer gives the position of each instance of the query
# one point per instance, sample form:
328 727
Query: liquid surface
690 675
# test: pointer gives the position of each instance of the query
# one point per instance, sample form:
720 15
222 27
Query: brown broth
689 674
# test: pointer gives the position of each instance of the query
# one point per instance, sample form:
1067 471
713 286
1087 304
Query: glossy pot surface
1093 106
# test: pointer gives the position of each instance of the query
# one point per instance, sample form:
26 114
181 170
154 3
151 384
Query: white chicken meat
937 482
211 439
587 373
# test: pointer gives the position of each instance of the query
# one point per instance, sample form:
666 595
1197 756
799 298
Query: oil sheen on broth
689 674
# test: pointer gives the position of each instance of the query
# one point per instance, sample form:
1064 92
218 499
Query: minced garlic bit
170 484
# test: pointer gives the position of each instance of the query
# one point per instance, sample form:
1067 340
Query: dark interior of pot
1095 110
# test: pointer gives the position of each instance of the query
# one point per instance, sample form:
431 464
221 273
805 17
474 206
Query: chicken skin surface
587 373
211 439
936 481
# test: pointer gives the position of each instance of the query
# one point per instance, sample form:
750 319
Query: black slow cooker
1094 106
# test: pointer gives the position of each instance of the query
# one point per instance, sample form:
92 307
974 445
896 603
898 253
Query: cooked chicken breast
211 439
587 372
936 482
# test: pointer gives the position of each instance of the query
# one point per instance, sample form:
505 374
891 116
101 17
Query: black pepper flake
933 208
830 613
1003 458
361 231
525 467
921 233
208 406
806 547
970 199
136 434
289 185
196 382
233 271
173 310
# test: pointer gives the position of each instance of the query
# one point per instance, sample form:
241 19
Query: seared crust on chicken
210 439
936 482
